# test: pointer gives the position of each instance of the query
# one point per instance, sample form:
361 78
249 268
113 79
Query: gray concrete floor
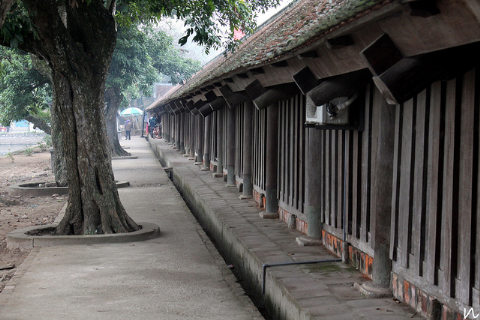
179 275
317 291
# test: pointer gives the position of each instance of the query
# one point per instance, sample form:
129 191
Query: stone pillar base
198 163
230 185
269 215
308 241
205 169
217 175
186 155
243 197
371 290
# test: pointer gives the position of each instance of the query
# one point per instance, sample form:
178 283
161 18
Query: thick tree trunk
78 50
5 6
113 99
93 205
59 165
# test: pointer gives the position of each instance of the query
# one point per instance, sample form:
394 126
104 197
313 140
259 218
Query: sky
196 52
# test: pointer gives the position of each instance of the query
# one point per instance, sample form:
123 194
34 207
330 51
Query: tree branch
39 123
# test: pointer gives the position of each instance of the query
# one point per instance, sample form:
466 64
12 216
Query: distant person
151 125
128 128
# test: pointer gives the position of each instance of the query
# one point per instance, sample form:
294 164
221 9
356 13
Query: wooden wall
239 130
291 155
435 226
259 149
345 158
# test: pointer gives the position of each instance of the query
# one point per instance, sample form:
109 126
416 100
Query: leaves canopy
23 90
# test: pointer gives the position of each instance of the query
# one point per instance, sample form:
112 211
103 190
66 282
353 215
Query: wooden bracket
421 8
234 98
275 94
255 89
381 54
339 42
308 55
339 86
256 71
306 80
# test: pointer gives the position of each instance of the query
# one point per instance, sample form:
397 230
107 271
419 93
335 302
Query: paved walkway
310 291
180 274
176 276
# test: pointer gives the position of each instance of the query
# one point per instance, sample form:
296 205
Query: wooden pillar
167 130
165 118
271 200
382 189
383 119
219 172
186 125
199 151
177 131
207 143
230 132
247 150
181 130
313 184
193 135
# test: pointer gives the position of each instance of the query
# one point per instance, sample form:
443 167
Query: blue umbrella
129 112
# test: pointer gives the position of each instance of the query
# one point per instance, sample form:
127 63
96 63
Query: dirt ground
18 212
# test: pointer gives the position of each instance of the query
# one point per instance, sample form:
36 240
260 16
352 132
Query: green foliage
168 59
28 152
23 90
209 23
141 53
17 26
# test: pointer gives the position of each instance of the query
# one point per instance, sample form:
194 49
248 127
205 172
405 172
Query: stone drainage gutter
277 300
19 239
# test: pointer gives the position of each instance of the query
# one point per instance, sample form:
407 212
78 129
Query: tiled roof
302 22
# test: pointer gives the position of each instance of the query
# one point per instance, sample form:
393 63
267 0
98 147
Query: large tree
140 54
77 38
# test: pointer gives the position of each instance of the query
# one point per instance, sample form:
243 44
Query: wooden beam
242 75
411 75
234 98
190 105
308 55
210 95
280 64
421 8
381 55
339 42
178 105
256 71
205 110
306 80
255 89
340 86
218 103
199 104
275 94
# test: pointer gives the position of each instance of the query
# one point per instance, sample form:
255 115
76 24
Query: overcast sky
194 51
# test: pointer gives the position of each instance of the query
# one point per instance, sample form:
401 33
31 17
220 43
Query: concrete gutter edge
18 239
